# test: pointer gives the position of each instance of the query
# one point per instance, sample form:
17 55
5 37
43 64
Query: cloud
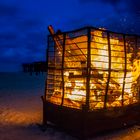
19 55
8 10
23 32
36 38
28 24
132 6
12 67
118 5
8 36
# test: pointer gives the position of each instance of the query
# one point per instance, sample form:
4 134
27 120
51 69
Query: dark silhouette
35 67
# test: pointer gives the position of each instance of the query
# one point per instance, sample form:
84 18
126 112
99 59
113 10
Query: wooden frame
84 121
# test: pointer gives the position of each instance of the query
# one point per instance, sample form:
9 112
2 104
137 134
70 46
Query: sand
21 112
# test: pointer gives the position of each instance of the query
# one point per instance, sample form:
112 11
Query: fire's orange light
124 73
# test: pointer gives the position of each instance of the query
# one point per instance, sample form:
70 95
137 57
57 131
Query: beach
21 112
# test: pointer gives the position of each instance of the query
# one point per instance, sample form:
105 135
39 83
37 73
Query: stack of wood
114 88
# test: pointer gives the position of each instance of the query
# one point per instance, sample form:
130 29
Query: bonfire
101 71
93 81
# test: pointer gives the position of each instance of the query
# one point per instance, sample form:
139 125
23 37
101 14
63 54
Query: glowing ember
113 70
75 95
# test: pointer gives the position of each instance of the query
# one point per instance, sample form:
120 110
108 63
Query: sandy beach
21 112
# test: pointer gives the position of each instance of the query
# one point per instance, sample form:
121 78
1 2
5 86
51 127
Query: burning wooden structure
93 80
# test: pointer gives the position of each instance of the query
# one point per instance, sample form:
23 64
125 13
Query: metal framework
93 73
68 51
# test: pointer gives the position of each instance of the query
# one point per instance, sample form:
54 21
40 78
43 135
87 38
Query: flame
75 85
75 95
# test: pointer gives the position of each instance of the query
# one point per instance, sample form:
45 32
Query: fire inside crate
92 69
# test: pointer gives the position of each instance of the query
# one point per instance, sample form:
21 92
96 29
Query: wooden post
109 69
88 68
62 68
125 68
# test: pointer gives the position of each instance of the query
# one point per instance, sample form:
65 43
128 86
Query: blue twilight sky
23 24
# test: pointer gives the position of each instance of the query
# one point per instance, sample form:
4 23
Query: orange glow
120 86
